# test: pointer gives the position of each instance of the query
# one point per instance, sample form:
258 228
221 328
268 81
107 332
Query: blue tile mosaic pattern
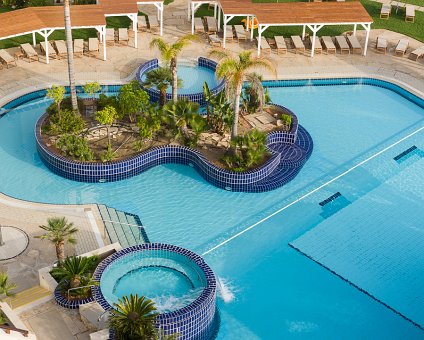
70 304
194 97
289 152
195 321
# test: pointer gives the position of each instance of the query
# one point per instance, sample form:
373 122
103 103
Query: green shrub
64 122
39 3
108 155
149 122
286 119
75 146
104 101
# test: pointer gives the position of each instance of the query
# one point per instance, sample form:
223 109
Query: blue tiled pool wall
194 97
119 170
71 304
195 321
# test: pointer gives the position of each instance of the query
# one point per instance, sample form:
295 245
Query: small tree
91 88
219 111
57 93
132 100
149 122
59 231
107 117
6 286
178 114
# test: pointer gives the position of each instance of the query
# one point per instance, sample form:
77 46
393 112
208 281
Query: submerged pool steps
333 204
408 153
122 227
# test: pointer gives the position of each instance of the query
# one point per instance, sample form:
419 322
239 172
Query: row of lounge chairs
382 46
119 36
386 10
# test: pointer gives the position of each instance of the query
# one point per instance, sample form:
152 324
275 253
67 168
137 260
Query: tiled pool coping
194 321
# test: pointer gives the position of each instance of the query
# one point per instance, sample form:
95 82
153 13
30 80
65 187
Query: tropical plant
148 122
65 122
133 317
254 95
286 119
108 155
248 151
75 146
169 54
58 231
6 286
104 101
132 100
107 117
219 111
91 88
197 124
57 93
159 78
234 71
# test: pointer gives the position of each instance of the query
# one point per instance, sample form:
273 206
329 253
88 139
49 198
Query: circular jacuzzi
178 280
193 75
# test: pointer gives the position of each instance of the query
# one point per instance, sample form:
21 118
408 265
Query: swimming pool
277 291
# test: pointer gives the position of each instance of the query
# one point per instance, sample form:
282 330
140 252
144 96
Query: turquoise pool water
272 291
193 78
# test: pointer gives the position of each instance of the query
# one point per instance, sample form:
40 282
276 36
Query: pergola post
159 6
103 32
219 19
314 29
368 29
45 34
261 29
303 32
214 10
194 6
251 28
134 26
227 19
354 29
34 41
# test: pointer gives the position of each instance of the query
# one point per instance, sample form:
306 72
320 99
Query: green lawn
5 9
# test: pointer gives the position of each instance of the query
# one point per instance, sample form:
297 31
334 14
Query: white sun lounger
318 46
78 47
410 13
240 32
199 27
299 46
385 11
142 23
280 42
354 44
93 46
265 45
29 52
381 45
123 36
328 45
153 22
342 44
61 50
110 36
51 51
414 55
229 34
401 47
211 24
214 40
7 58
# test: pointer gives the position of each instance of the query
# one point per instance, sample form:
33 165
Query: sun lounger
61 50
414 55
93 46
229 34
199 27
240 32
29 52
381 45
342 44
298 43
211 25
354 44
318 46
409 13
328 45
214 40
123 36
281 44
265 45
153 22
51 50
401 47
78 47
142 23
110 36
6 58
385 11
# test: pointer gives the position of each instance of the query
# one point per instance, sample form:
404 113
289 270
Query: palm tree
169 54
160 78
234 71
69 50
179 113
58 231
133 318
6 286
74 270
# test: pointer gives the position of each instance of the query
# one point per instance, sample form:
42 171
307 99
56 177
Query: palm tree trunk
60 250
69 50
173 65
75 282
162 97
236 111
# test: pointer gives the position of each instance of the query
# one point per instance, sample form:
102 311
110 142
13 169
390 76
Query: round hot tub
179 281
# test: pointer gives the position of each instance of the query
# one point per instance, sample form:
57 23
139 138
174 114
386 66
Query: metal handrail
89 286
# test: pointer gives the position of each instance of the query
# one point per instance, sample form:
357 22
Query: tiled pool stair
123 227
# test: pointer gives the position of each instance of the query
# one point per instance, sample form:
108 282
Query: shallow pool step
408 153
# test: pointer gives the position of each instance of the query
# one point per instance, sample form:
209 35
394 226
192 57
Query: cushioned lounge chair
199 27
318 46
78 47
211 25
265 45
123 36
29 52
229 34
401 47
153 23
299 46
240 32
44 47
410 13
93 46
6 58
414 55
381 45
214 40
280 43
385 11
328 45
354 44
342 44
61 50
110 36
142 23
